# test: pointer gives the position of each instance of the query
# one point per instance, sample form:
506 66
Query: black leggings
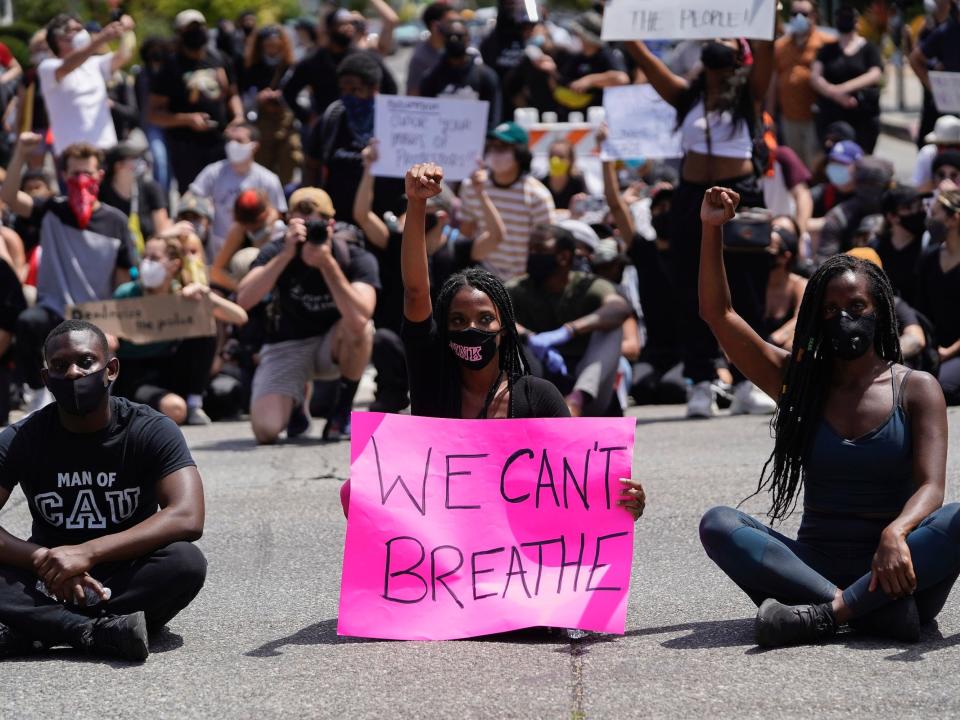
33 326
186 372
949 377
830 552
160 584
747 275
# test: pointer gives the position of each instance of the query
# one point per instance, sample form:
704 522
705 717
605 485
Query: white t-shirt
923 171
77 105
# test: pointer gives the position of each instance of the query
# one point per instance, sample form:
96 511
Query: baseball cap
188 17
317 197
607 251
195 204
581 232
510 132
845 152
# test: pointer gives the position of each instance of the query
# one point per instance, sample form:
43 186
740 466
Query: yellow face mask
559 167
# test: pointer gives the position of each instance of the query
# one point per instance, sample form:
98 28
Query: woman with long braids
465 360
863 435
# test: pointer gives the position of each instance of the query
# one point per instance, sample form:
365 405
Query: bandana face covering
82 191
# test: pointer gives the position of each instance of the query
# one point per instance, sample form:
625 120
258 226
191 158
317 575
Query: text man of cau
116 500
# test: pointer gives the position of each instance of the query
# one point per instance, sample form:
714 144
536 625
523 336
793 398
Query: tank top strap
900 391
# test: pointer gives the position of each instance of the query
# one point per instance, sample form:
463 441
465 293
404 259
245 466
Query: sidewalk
894 121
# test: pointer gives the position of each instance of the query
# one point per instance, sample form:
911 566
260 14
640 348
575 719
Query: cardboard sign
945 87
688 19
444 131
641 124
460 528
149 319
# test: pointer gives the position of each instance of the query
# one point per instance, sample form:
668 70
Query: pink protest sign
460 528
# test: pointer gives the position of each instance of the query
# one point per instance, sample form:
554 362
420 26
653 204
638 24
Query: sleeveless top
727 138
869 474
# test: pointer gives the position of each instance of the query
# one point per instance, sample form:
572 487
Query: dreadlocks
808 374
512 362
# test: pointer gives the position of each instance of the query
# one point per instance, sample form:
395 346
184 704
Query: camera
316 232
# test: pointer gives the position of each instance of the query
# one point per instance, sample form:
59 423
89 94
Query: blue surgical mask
798 25
838 174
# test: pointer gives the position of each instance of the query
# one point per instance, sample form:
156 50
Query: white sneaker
196 416
700 401
748 399
40 397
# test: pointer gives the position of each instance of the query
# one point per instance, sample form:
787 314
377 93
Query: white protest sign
444 131
688 19
640 123
945 87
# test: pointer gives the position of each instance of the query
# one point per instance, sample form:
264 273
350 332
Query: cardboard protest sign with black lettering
149 319
445 131
640 124
459 528
945 87
688 19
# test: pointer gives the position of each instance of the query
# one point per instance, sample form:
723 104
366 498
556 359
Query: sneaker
779 624
898 620
390 402
336 429
123 636
39 398
196 416
700 401
13 644
299 422
748 399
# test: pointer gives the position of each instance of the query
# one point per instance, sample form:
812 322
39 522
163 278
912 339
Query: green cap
510 132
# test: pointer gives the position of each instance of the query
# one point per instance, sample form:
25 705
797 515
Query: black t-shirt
900 265
150 197
662 348
838 67
938 297
12 302
301 304
942 45
531 397
575 66
83 486
470 81
389 312
561 199
196 86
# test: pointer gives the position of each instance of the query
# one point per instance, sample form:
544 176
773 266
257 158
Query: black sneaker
13 644
390 402
299 422
336 429
898 620
779 624
123 636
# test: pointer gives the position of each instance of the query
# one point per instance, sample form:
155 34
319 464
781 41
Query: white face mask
798 25
80 40
238 152
499 160
152 273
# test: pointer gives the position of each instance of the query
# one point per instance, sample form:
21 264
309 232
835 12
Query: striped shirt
524 205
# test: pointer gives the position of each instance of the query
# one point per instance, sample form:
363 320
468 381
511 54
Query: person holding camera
323 291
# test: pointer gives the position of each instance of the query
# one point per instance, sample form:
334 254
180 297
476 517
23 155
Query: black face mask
194 37
845 22
540 266
937 229
850 337
473 348
340 39
717 56
661 225
914 223
455 47
82 395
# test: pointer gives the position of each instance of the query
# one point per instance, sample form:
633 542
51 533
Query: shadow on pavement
321 633
227 445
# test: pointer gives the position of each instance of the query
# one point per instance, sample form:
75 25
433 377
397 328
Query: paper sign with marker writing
945 87
688 19
460 528
412 130
641 124
149 319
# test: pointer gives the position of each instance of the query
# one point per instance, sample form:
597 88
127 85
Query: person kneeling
323 291
572 321
104 567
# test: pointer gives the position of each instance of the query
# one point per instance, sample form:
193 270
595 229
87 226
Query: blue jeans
830 552
158 148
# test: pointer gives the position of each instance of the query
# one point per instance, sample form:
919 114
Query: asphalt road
260 640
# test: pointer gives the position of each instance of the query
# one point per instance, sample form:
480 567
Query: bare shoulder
921 392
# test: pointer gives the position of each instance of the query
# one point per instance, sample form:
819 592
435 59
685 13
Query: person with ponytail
866 440
464 356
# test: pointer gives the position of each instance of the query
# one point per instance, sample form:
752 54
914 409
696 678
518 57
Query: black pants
189 157
747 275
391 363
33 326
186 372
949 377
160 584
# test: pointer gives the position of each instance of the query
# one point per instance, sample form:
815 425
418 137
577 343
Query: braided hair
512 362
808 375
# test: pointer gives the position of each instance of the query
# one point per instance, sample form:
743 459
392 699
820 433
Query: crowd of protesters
232 162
